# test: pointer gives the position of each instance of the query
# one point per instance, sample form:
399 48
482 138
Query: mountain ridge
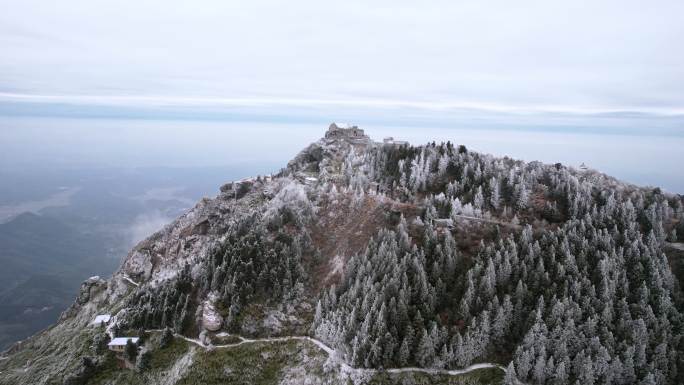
378 249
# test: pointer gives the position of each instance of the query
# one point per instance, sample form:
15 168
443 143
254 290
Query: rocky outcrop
211 318
162 255
88 290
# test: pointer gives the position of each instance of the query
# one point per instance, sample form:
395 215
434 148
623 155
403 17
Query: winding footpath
345 368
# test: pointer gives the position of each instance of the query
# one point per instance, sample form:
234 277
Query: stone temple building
337 131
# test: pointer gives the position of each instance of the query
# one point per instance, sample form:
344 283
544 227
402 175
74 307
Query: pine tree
523 362
425 352
539 369
510 376
318 315
130 351
649 379
561 375
522 197
143 362
166 338
404 355
494 194
478 199
100 342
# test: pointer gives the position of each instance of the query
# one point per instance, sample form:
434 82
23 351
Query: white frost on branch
291 197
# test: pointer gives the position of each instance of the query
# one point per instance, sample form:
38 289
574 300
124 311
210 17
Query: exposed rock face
88 290
211 319
189 237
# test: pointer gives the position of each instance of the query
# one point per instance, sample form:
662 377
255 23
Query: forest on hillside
564 280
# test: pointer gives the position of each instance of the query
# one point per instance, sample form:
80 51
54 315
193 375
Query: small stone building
344 130
390 140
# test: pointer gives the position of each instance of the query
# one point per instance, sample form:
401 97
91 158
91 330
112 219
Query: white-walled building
118 344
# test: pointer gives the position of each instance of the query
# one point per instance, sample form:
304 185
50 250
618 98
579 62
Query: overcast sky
503 56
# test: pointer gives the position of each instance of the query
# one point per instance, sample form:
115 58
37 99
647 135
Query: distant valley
73 224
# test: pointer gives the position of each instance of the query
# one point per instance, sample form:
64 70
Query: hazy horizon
265 147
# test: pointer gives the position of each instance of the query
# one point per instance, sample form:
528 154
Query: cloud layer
578 57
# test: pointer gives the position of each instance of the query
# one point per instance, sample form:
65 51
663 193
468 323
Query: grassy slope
266 363
161 364
56 350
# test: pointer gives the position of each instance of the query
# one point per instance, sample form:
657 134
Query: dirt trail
346 368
